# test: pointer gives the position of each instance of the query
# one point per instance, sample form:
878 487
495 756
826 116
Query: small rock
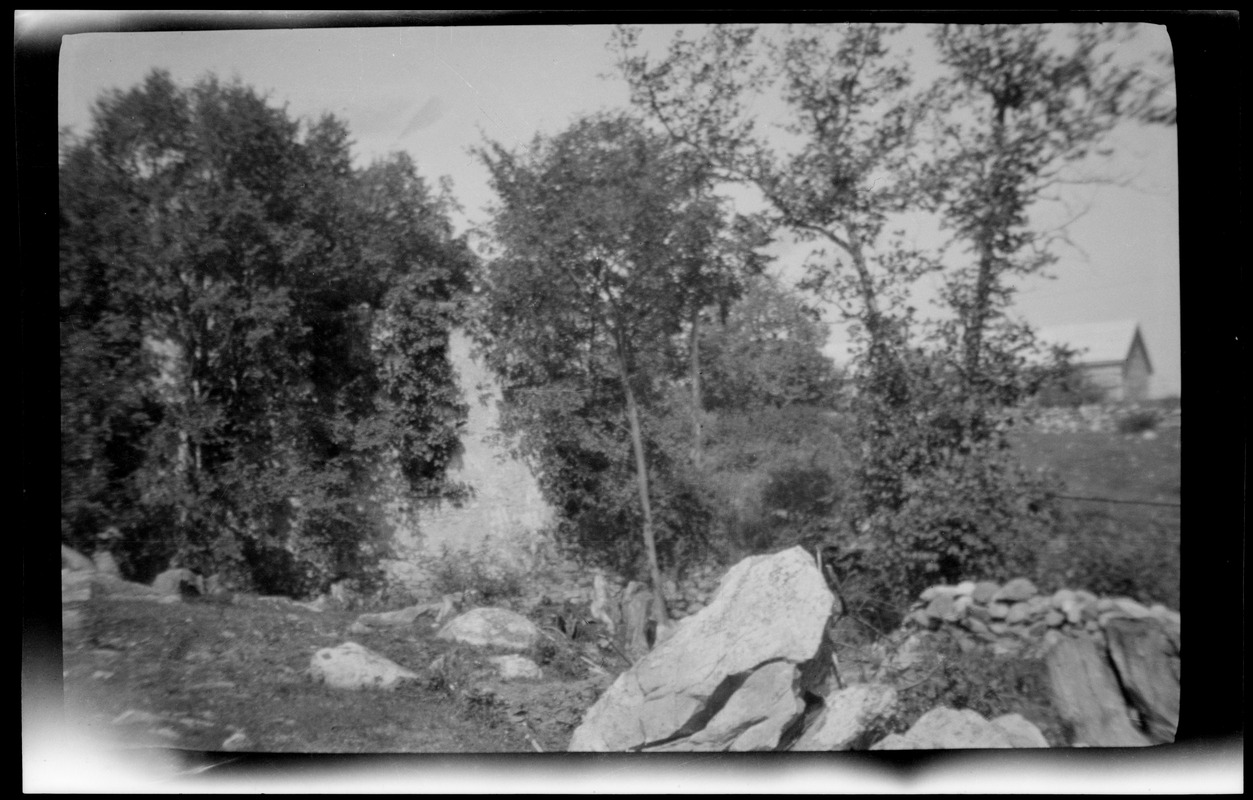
1017 590
1131 608
984 591
1054 618
964 589
515 667
351 666
236 741
1018 612
941 607
998 610
491 627
1020 731
1062 598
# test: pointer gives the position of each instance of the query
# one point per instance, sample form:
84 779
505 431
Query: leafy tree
601 230
768 352
248 327
854 153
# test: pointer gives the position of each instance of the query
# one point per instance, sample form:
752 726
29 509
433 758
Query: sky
437 91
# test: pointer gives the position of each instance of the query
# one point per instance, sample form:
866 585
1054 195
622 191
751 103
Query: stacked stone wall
1017 619
1097 417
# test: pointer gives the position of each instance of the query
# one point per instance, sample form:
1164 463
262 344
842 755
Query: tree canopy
249 324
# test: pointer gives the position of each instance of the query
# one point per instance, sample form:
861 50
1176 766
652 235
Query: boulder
515 667
177 582
1143 655
770 609
75 561
847 718
105 563
1020 731
948 729
754 718
75 586
352 666
491 627
1086 694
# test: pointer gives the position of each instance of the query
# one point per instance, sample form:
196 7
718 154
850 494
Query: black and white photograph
580 393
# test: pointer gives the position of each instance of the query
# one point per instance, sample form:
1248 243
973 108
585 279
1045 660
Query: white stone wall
507 509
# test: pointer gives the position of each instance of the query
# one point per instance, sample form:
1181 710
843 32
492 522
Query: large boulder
847 718
769 611
960 729
1086 694
754 718
491 627
352 666
1148 671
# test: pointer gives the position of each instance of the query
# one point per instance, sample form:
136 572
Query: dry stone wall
506 510
1015 618
1096 417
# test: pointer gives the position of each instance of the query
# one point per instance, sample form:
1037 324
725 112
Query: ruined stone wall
506 511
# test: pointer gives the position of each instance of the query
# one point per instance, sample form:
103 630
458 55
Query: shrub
1109 555
987 684
481 569
1138 421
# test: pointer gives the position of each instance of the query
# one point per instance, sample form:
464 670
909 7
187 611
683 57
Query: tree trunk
698 455
641 479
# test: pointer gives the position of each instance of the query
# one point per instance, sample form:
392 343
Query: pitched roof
1095 342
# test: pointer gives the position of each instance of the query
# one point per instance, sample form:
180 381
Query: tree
601 230
768 352
239 345
853 154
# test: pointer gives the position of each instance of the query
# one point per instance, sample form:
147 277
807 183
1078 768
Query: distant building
1111 355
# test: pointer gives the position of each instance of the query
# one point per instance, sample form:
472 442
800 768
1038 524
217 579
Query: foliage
765 460
1115 557
483 570
768 351
1138 421
987 684
935 489
599 232
249 326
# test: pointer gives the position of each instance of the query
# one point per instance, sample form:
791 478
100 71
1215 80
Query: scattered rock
178 582
948 729
769 610
236 741
491 627
397 619
847 717
1020 731
105 563
515 667
75 561
351 666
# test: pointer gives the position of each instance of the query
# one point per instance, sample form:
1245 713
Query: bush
987 684
1138 421
1108 555
482 570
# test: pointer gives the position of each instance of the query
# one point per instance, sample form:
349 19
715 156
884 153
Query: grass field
1123 536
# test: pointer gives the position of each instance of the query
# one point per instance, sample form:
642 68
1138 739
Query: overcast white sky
435 91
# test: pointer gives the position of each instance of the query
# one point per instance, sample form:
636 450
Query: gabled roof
1096 342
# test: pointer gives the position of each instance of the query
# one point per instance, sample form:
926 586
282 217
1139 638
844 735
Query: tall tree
229 286
849 164
601 230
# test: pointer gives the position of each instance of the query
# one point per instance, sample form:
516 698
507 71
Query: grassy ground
192 674
1126 539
